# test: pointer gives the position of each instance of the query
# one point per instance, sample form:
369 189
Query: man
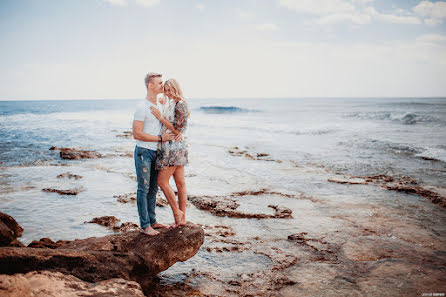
146 132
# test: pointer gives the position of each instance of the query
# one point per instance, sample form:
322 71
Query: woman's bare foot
173 225
158 226
179 218
150 231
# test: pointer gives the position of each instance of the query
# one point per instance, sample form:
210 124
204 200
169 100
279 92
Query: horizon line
251 98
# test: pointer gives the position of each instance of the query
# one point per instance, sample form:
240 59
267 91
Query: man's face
156 85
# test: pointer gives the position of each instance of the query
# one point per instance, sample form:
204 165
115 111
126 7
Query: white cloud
356 18
117 2
392 18
434 38
267 27
148 3
200 7
320 7
433 22
434 12
244 15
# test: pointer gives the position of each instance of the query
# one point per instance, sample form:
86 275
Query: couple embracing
160 152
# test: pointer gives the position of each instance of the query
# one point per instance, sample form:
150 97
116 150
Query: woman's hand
156 113
179 137
167 136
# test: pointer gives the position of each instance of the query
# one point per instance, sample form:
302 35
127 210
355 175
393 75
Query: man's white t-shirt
152 125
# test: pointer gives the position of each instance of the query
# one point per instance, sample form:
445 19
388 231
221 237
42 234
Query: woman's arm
165 122
181 114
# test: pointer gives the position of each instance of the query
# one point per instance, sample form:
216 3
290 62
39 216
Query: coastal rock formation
69 175
227 205
46 283
9 231
75 154
132 255
63 192
47 243
111 222
236 151
403 184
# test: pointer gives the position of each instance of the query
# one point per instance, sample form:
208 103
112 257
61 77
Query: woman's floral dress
173 153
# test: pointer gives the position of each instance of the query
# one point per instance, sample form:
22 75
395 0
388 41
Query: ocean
301 143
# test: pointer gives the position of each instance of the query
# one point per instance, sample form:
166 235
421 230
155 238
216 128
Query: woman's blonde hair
176 91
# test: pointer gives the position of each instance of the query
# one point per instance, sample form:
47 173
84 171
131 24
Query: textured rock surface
131 255
9 231
46 283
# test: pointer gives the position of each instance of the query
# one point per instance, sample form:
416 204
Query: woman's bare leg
180 181
163 182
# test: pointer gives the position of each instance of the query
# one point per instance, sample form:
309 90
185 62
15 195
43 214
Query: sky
102 49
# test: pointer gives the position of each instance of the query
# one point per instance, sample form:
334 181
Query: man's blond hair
150 76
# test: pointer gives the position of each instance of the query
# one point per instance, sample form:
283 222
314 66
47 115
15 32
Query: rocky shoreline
118 258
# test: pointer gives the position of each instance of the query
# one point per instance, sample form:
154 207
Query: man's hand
167 136
156 113
179 137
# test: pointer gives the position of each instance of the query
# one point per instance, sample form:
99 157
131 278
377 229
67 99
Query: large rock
9 231
131 255
46 283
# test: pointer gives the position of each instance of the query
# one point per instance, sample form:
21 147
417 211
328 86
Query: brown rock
222 206
45 243
132 255
107 221
9 231
75 154
63 192
69 175
46 283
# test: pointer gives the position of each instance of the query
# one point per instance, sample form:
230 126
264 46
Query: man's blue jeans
147 185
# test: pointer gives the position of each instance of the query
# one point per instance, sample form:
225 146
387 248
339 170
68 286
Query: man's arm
138 134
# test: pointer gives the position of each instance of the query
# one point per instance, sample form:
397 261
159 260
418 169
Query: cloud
392 18
433 12
267 27
432 38
117 2
243 14
357 18
200 7
320 7
148 3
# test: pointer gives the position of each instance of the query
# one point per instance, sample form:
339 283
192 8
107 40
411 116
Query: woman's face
167 91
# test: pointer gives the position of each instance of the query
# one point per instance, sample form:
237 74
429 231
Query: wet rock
69 175
75 154
46 243
236 151
46 283
106 221
223 206
131 255
435 198
126 134
126 198
403 184
126 227
131 197
63 192
9 231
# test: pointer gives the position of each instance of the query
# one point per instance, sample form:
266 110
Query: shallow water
308 142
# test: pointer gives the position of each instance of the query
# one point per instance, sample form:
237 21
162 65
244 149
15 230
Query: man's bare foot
150 231
158 226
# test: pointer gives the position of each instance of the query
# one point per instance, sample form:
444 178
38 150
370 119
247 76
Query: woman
172 155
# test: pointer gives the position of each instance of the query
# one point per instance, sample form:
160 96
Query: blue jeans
147 185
